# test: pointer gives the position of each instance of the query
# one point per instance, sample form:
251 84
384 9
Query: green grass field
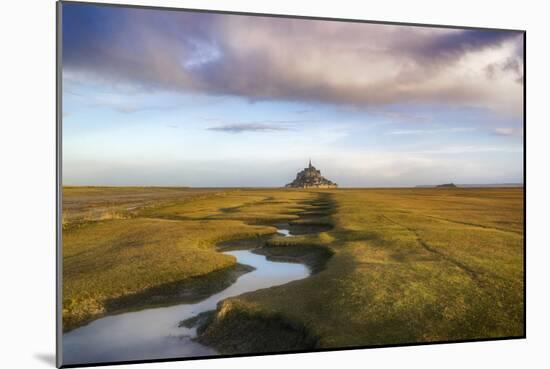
406 265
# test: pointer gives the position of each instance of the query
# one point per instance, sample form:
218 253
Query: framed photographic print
249 184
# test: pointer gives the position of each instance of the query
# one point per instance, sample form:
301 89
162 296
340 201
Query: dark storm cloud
509 66
457 43
262 58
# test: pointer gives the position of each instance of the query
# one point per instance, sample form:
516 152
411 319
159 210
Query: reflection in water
154 333
284 232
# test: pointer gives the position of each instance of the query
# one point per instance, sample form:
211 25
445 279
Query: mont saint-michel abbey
311 177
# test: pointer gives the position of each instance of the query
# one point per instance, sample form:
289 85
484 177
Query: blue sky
194 99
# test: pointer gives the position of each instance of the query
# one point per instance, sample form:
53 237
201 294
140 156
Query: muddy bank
238 329
314 257
302 226
180 292
158 332
236 326
189 291
198 317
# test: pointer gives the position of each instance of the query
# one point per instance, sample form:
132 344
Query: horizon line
511 184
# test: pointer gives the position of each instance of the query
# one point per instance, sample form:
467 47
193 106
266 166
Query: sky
173 98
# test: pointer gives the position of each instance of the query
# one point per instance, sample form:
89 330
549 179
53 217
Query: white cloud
508 131
261 58
430 131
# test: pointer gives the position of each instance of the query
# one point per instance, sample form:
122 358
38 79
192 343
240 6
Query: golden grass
411 265
162 240
407 265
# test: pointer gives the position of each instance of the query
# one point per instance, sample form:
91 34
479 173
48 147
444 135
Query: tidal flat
387 266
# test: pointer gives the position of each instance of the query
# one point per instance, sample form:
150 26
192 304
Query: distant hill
446 185
473 185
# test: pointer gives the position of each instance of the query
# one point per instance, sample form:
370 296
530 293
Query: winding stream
154 333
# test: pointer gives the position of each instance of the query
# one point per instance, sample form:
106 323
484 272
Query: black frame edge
350 348
293 16
58 184
524 184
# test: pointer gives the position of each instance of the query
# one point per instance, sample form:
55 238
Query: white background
27 158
